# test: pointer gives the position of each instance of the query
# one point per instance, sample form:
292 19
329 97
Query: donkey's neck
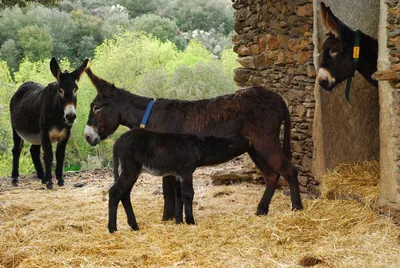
367 63
132 108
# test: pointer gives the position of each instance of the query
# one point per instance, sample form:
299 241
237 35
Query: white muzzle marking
69 110
324 74
91 134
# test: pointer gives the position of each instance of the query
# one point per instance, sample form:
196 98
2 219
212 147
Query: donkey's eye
61 92
97 108
334 52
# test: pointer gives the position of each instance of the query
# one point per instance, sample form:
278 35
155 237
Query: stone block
247 62
305 10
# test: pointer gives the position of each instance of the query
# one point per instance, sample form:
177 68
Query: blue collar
146 114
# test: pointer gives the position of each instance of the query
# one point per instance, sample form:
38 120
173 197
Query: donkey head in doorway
344 52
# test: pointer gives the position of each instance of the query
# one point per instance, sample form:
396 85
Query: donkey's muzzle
91 136
326 84
70 118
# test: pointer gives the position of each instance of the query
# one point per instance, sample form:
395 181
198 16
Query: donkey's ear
330 22
55 69
101 85
78 72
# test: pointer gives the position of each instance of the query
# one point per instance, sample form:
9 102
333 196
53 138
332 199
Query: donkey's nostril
70 117
324 83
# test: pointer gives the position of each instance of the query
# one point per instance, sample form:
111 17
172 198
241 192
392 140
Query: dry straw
67 228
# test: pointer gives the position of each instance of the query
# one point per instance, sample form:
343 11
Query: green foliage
6 91
38 71
162 28
138 7
23 3
137 62
130 55
200 14
11 53
36 42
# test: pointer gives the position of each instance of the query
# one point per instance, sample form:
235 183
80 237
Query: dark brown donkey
42 115
254 112
337 63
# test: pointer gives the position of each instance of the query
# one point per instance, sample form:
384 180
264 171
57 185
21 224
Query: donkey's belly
34 138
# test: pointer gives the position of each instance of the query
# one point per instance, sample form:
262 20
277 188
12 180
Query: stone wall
275 48
389 98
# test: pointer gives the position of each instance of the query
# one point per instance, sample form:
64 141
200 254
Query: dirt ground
67 227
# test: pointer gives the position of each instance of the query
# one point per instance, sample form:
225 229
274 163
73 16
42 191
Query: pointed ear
78 72
55 69
330 22
100 84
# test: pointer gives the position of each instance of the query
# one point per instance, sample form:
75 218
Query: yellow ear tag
356 52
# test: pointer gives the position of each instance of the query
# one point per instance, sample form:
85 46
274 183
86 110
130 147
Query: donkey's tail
116 163
287 150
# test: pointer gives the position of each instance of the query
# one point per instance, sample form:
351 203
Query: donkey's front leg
48 159
60 156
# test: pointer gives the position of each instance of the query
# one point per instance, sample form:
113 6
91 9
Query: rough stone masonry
275 48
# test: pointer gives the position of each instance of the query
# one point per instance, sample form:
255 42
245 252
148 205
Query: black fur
341 41
37 114
166 154
254 112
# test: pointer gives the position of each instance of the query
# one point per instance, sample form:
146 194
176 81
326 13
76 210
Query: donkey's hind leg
16 151
35 154
169 197
290 173
271 179
187 192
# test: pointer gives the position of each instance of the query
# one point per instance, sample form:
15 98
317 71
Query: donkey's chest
55 135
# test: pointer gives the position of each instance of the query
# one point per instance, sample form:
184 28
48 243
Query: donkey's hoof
178 221
297 208
135 227
14 183
167 218
261 212
190 221
49 185
61 183
112 230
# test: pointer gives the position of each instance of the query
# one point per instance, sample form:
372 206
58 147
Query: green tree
60 26
116 21
11 20
138 7
86 47
87 25
23 3
200 14
162 28
11 53
36 42
130 55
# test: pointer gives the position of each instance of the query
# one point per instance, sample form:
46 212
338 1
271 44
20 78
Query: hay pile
353 181
67 228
